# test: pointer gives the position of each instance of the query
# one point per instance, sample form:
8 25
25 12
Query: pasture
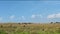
18 28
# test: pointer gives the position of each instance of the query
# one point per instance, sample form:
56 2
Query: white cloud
54 15
39 16
1 18
58 15
12 17
36 16
51 16
33 16
23 17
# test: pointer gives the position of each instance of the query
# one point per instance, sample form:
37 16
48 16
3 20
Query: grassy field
17 28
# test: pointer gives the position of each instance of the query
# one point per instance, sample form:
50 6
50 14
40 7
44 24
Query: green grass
30 29
35 32
2 32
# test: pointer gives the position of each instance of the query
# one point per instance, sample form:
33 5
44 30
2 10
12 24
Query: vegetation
29 28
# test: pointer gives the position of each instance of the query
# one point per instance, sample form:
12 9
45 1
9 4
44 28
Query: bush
1 26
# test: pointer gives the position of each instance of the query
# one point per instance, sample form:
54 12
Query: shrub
1 26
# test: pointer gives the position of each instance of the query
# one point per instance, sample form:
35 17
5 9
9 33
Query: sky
29 11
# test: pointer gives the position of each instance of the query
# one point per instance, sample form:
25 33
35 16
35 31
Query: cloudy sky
29 11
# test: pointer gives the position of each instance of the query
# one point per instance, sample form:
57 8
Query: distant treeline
55 22
25 23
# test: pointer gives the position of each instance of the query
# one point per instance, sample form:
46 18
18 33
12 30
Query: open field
17 28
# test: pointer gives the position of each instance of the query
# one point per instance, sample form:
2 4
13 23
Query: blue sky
29 11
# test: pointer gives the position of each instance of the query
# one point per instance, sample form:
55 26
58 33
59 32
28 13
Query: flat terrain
17 28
